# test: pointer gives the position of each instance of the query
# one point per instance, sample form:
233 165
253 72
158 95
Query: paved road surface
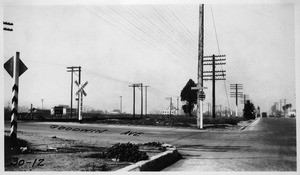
269 144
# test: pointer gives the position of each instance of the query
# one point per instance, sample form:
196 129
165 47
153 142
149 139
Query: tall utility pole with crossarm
170 108
134 86
236 94
146 100
199 87
214 75
72 69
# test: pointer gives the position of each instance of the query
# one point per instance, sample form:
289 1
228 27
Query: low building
173 110
292 113
116 111
59 110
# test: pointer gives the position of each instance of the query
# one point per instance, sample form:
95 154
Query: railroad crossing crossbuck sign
79 93
81 88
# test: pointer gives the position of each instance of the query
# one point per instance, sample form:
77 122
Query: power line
156 26
219 53
97 74
165 22
139 38
186 29
188 49
46 63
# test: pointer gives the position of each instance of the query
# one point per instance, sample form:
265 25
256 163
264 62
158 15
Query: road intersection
268 144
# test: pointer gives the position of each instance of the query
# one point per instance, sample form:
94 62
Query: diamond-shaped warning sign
9 67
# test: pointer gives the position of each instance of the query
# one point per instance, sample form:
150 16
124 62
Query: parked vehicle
264 114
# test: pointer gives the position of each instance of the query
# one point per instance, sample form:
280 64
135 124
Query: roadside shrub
222 120
125 152
155 144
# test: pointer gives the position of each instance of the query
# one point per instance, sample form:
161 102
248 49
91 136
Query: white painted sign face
197 88
81 88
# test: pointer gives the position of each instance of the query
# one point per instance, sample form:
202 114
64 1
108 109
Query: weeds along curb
155 163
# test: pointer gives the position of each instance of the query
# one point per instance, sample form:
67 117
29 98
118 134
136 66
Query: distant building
174 110
58 110
61 110
116 111
292 113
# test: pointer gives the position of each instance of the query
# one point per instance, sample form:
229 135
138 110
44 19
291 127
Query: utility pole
31 111
200 67
236 94
79 105
211 75
42 103
134 86
9 24
284 103
199 88
72 69
170 98
141 100
177 105
121 104
208 109
246 97
146 99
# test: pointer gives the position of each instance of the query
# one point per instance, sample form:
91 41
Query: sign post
80 91
201 97
15 68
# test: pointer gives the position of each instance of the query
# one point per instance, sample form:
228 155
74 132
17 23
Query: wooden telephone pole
211 75
134 86
73 69
199 87
236 94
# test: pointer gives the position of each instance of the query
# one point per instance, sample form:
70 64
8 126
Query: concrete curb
244 127
155 163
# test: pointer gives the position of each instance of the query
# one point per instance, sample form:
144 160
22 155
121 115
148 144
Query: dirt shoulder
51 153
56 154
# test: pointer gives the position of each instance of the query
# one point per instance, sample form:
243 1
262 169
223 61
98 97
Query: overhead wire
154 34
163 32
182 36
136 37
192 37
149 43
219 54
173 29
100 75
159 16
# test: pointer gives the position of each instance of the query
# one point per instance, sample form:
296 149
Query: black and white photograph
131 86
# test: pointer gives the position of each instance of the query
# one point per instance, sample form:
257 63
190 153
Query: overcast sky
117 45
